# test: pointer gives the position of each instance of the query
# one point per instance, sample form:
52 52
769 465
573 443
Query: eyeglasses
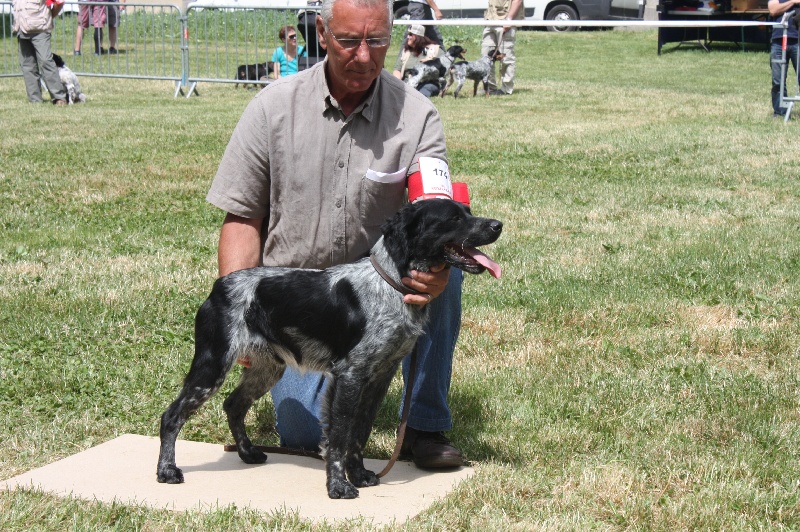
351 44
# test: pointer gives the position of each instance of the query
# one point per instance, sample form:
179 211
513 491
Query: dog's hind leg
255 382
213 359
204 379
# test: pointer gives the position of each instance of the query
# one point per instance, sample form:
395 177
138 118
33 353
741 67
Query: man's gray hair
327 8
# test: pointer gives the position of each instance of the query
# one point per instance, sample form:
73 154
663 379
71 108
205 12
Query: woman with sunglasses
284 58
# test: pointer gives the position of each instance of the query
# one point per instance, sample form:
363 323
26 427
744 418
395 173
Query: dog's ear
399 232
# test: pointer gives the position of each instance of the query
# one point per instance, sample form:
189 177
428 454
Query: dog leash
401 430
499 44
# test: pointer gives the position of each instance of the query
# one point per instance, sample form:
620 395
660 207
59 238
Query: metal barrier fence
148 41
159 42
202 44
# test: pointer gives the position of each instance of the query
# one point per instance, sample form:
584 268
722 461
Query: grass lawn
636 367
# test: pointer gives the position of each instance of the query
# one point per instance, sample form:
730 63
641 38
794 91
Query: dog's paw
170 474
364 478
341 489
251 455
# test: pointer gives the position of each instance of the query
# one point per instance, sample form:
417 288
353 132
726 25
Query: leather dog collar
403 289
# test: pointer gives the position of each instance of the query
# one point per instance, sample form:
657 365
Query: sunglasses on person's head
372 42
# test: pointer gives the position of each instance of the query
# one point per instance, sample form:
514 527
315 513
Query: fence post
179 85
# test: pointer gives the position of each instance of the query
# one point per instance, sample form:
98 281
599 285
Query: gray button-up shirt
323 182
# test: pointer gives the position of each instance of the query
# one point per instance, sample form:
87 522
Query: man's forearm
239 244
779 8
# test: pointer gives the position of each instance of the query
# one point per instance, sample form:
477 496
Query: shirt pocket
382 195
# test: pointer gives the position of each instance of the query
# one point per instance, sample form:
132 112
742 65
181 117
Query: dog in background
434 70
478 71
348 321
70 81
247 74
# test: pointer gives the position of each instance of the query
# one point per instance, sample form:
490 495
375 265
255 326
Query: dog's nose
496 226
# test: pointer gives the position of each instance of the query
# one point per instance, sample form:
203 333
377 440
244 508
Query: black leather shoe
430 450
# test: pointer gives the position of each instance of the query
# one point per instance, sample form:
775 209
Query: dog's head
495 55
456 52
58 61
437 231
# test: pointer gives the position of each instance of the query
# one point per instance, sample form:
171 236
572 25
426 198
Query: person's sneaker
430 450
112 51
76 52
102 51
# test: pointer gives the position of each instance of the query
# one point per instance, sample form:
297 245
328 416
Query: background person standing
776 10
502 38
33 23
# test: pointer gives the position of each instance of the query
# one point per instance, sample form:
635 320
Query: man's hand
429 284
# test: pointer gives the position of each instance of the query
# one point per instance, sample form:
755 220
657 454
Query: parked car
556 10
568 10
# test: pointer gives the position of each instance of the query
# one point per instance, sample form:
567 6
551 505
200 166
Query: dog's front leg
364 414
342 398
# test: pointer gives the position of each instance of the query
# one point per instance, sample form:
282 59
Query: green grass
635 368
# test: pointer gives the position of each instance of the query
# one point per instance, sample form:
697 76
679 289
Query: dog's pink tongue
485 261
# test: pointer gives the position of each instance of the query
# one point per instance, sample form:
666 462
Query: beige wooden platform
124 470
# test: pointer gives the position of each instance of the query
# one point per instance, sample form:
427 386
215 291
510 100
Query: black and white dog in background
70 81
434 70
478 71
347 321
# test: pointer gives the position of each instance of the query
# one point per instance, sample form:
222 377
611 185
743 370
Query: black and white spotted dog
434 70
478 71
69 80
347 321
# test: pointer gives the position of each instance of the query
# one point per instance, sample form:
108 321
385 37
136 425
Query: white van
555 10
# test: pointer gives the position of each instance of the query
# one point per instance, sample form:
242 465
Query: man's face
353 70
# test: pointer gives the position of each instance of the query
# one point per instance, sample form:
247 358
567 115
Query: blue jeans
429 89
298 397
775 55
